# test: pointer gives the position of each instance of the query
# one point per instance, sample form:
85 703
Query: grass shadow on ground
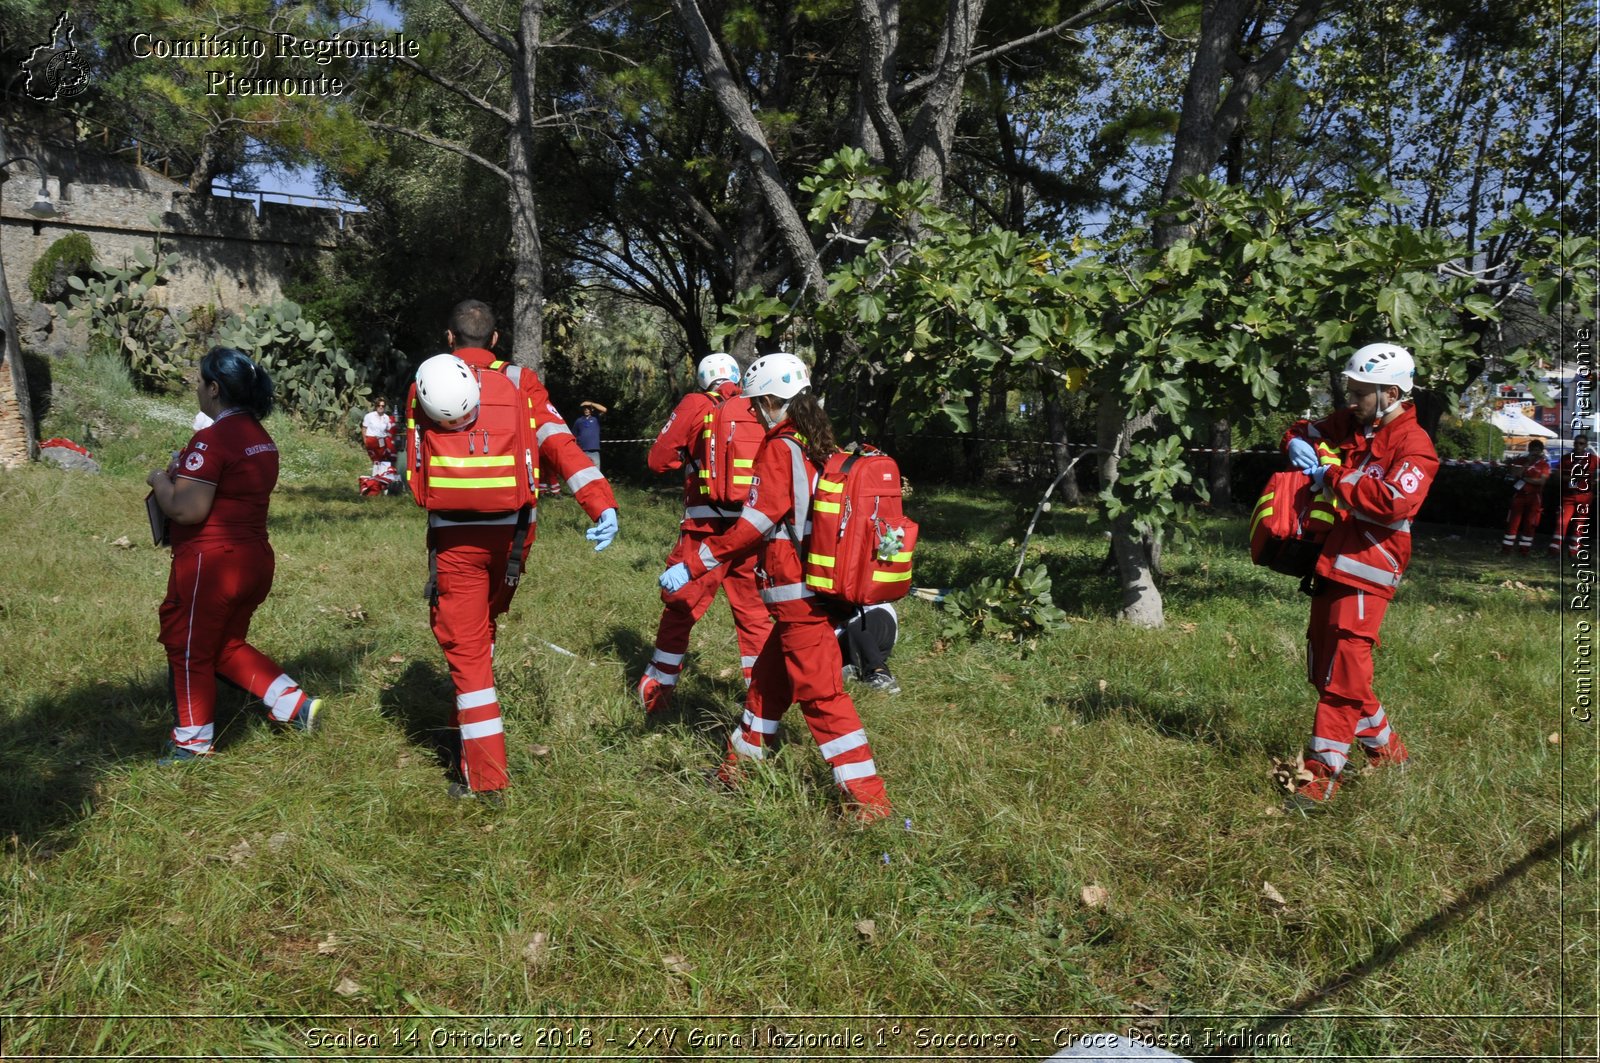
1187 718
1389 952
54 751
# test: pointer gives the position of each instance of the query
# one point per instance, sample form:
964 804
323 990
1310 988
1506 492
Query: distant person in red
1576 480
377 433
215 493
1527 500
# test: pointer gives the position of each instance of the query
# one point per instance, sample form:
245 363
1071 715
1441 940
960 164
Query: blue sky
279 183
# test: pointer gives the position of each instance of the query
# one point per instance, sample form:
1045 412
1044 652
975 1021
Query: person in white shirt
377 430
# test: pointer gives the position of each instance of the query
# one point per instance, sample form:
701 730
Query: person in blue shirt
587 430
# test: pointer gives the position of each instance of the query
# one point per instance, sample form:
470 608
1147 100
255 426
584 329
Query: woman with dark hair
215 494
800 661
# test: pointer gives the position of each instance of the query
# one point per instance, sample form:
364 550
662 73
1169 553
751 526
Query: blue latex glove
1303 455
1318 475
604 530
674 578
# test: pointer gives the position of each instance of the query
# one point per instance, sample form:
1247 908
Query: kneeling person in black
867 635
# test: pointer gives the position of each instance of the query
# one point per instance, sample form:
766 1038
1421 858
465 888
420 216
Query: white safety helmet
714 369
447 390
1383 364
781 375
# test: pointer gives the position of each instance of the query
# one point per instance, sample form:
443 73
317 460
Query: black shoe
882 681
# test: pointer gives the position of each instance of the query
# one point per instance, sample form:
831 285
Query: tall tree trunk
1141 600
757 154
1209 116
527 273
1061 454
18 438
1220 481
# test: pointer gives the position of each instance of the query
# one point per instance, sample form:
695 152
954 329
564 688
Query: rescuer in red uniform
1385 466
215 496
1526 500
470 550
801 660
680 445
1576 479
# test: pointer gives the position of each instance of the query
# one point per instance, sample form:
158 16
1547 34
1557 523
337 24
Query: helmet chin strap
1384 411
771 419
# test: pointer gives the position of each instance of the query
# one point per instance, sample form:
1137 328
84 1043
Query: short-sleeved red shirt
241 460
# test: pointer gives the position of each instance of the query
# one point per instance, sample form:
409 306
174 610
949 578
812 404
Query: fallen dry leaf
1270 892
1101 684
329 945
348 987
1290 775
1272 810
56 600
279 840
1227 636
1094 896
537 950
676 964
1055 730
236 855
122 541
726 673
397 659
1555 738
1188 628
537 750
402 760
867 928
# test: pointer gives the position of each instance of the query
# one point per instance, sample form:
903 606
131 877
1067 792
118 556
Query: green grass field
326 883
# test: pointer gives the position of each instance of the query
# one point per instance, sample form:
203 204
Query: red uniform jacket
1577 477
678 446
1379 487
558 450
780 498
1538 470
236 456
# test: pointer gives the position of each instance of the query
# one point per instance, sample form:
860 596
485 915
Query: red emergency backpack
1290 523
861 540
728 443
491 466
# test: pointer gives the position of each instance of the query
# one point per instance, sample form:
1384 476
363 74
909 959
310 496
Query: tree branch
496 40
460 90
1060 27
447 145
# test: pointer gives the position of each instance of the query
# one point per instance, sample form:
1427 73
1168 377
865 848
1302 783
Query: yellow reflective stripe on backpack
900 559
823 582
825 507
829 485
472 463
890 577
471 482
820 559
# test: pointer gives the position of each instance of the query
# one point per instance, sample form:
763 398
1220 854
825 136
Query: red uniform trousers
801 662
1526 509
379 449
471 563
751 621
212 592
1573 524
1339 644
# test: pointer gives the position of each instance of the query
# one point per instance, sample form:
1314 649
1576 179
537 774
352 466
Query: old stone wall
228 256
